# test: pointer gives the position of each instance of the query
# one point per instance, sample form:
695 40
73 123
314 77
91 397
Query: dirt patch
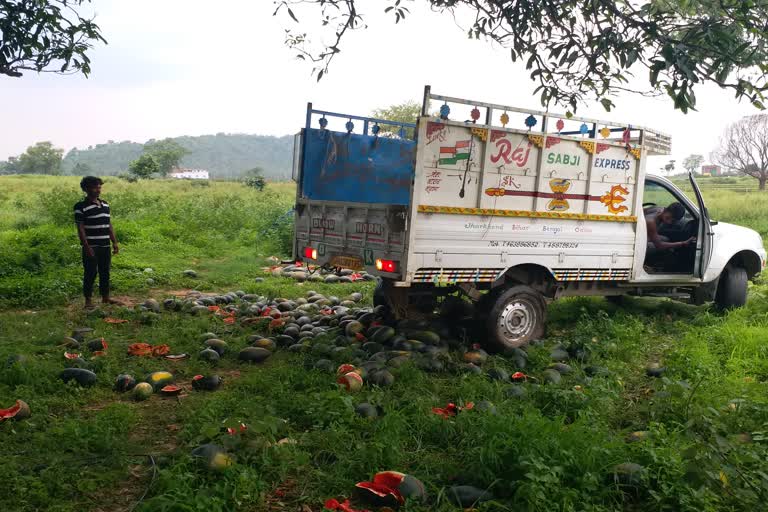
175 293
123 497
180 294
127 301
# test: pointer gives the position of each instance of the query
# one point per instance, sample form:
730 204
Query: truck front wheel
517 317
731 288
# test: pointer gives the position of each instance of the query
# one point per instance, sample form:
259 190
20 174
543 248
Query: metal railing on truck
371 125
655 142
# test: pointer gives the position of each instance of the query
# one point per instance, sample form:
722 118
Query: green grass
553 450
220 228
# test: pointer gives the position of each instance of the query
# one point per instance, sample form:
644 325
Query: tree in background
42 158
744 148
167 153
402 113
144 167
691 163
578 50
45 36
669 167
10 166
254 178
81 169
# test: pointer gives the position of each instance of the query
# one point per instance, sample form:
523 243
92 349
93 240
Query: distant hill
223 155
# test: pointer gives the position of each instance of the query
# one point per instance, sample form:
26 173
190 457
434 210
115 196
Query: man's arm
84 240
115 246
655 239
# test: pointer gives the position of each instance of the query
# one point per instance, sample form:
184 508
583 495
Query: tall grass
165 225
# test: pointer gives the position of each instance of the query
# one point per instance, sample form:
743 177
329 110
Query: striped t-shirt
96 221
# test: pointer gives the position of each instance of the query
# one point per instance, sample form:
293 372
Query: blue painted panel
357 168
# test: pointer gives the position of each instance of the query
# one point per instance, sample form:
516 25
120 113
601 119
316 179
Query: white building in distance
189 174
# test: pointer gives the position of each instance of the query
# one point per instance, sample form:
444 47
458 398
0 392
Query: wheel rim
516 321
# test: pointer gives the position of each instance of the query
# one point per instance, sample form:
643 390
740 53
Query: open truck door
705 234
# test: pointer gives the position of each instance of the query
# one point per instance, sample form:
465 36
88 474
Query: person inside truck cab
656 219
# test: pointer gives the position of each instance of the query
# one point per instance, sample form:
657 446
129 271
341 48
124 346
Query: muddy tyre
731 288
517 317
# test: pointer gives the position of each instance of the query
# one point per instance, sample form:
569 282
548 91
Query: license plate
350 262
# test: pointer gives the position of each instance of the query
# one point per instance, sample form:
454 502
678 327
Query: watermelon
392 488
351 381
170 390
485 406
220 346
629 474
382 378
254 354
382 335
367 410
498 374
210 355
353 328
516 391
266 343
344 369
97 345
80 333
324 365
206 383
476 357
71 343
561 368
635 437
142 391
124 382
551 376
472 369
19 411
83 377
158 380
367 318
428 337
212 457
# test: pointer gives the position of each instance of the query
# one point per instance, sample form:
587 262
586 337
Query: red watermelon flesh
20 410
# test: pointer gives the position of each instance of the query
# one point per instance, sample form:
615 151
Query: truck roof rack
370 125
654 141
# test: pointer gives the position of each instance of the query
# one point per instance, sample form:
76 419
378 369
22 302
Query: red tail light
386 265
310 253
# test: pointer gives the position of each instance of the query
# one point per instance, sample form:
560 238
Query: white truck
509 207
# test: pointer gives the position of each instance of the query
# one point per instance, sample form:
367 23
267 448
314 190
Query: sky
196 67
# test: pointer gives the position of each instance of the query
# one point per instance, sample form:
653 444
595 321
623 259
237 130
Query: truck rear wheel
731 288
517 317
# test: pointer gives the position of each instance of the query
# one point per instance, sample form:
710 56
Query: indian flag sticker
451 155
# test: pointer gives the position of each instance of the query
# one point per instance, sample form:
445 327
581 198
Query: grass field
221 229
705 422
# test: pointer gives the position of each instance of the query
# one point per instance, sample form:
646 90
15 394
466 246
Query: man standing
95 230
